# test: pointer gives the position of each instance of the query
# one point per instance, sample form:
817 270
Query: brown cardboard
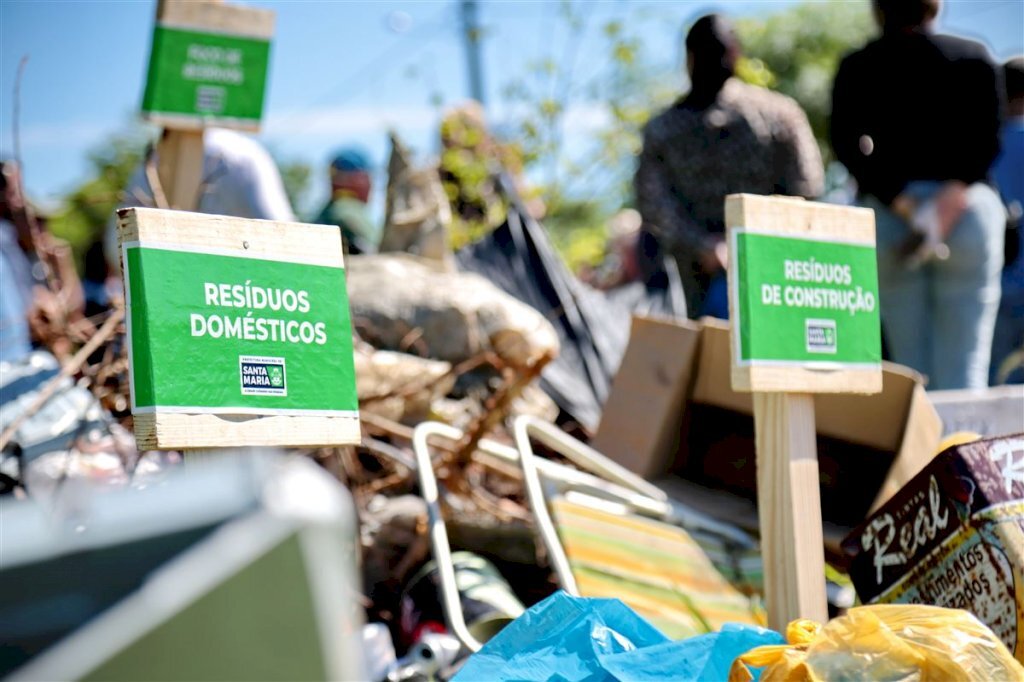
954 537
648 396
672 373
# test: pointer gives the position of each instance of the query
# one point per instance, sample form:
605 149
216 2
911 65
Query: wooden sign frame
211 16
799 218
288 242
180 165
789 502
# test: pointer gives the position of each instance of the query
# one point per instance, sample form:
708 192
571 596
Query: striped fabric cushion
655 568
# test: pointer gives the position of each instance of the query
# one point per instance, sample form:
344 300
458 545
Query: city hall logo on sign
821 336
262 375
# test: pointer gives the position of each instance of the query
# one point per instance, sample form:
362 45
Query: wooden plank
180 167
803 302
217 17
787 216
297 242
639 428
783 379
789 508
187 431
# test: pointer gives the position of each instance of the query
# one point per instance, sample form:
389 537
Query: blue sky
342 72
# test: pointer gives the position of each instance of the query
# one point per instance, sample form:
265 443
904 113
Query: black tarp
593 326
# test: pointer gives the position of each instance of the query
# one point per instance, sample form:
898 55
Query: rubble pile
478 530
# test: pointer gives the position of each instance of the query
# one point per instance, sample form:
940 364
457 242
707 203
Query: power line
374 67
473 37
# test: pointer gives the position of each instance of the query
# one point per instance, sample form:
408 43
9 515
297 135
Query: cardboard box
672 410
992 411
953 537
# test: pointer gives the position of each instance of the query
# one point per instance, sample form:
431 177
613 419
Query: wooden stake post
180 167
803 299
204 374
207 67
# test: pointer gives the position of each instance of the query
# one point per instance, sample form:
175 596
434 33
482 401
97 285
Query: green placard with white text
805 302
198 77
219 333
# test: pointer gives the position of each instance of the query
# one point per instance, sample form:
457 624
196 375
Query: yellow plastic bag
892 642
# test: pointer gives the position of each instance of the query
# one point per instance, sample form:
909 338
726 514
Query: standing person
15 270
240 179
724 137
40 292
915 118
347 206
1009 175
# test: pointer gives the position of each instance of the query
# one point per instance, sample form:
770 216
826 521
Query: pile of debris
474 372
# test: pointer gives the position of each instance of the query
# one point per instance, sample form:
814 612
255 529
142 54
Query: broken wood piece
499 405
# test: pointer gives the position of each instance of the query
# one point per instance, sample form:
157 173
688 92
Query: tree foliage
471 159
798 51
795 51
86 210
557 96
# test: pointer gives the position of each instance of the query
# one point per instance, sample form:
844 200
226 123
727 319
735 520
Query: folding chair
627 504
637 553
554 473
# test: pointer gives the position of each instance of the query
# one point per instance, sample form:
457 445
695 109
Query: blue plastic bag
705 657
570 639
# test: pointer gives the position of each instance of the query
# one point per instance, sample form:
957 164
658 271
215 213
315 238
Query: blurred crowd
931 130
929 127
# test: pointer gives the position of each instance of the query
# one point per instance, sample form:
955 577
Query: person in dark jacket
916 119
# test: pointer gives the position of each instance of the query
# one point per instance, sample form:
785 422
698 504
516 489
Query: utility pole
473 36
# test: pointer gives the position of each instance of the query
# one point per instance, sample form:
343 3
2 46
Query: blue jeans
716 301
938 319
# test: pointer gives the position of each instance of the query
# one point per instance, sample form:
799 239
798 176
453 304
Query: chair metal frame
624 488
661 508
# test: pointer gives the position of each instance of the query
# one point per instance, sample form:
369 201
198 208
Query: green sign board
206 78
804 302
229 334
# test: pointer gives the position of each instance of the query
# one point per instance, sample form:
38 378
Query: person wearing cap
347 207
915 119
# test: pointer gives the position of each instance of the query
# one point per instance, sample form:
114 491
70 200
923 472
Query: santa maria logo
821 336
262 375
